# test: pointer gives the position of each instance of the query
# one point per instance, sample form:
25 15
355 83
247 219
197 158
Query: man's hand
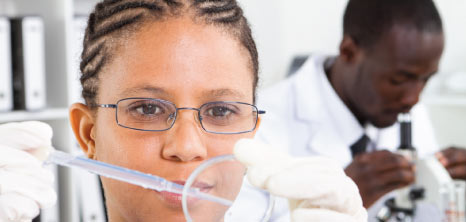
454 160
377 173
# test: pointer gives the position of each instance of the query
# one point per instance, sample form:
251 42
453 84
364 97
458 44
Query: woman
149 57
168 84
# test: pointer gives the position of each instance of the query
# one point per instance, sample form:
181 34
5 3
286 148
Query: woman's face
188 64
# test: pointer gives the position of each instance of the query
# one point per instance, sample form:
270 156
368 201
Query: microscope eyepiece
405 132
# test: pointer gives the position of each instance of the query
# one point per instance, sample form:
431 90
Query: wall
284 28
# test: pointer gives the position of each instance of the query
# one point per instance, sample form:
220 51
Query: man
346 107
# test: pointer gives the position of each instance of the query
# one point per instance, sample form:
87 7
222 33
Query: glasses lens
228 117
145 114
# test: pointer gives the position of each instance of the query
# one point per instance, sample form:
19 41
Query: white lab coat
306 117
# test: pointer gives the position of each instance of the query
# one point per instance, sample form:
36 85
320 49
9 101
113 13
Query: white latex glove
25 186
317 188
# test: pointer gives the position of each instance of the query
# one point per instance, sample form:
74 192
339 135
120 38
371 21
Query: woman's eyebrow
143 89
223 92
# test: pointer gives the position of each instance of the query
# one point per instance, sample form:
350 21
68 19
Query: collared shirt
348 127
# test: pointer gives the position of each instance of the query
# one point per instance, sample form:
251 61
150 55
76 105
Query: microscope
433 186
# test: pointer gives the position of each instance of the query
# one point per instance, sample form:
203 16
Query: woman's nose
184 140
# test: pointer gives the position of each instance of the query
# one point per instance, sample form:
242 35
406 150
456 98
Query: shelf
48 114
445 100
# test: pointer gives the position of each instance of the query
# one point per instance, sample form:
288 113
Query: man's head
389 50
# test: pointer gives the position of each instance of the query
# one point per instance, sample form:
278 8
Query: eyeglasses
147 114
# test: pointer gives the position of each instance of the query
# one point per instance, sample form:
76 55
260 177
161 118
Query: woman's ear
82 123
259 119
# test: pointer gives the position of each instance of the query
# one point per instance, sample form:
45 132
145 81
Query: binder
6 91
79 27
27 38
90 197
51 214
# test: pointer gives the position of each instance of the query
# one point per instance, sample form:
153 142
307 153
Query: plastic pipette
147 181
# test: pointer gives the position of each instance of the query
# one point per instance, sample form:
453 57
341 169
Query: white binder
51 214
28 63
6 91
90 197
79 27
91 204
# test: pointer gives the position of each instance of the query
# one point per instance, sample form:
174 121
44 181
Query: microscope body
433 187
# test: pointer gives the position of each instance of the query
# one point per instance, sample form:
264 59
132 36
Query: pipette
147 181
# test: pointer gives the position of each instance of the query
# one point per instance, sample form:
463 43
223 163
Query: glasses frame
115 106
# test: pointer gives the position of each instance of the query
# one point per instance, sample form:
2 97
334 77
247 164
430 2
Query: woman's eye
148 109
219 111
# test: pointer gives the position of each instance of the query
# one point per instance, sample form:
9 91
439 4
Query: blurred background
286 29
283 29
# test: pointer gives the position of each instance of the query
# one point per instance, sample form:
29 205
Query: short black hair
366 21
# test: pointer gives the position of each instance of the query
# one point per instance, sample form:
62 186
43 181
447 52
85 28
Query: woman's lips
174 199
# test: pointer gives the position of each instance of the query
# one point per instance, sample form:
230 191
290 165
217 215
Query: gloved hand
317 188
25 186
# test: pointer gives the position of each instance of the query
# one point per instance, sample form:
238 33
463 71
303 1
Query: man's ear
82 122
350 52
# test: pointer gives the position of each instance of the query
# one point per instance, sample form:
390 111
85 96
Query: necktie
360 146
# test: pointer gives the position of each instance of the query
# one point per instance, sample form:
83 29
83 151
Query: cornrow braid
129 5
227 14
114 20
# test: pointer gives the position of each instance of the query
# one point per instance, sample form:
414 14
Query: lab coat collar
308 108
326 105
348 126
322 108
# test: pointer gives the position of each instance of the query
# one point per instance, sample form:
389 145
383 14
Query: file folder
27 37
6 91
90 197
79 27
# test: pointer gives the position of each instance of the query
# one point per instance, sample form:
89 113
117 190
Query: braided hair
113 20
